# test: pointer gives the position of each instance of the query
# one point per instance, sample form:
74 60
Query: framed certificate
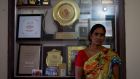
28 58
29 26
72 52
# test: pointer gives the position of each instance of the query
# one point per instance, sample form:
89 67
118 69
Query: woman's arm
78 72
116 71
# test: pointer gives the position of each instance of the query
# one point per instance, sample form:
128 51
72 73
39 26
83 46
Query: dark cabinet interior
54 35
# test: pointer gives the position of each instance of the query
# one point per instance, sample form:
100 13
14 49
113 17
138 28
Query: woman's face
98 36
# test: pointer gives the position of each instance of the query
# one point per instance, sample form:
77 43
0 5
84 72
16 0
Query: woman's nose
99 36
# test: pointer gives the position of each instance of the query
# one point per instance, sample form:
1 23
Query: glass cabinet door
102 12
64 41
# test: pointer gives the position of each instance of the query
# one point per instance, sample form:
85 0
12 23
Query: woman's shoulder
109 51
82 52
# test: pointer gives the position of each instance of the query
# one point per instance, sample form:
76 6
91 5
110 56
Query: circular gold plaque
66 12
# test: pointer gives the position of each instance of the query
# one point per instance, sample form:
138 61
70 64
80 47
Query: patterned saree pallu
100 65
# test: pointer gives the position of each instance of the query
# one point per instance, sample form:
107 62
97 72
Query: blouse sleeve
80 58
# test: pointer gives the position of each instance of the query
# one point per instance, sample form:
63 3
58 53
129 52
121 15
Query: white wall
3 38
132 14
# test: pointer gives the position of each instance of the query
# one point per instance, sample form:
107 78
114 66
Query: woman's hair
94 27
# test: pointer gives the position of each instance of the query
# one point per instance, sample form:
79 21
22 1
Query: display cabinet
46 35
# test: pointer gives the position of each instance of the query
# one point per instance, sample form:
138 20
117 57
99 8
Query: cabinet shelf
31 6
44 77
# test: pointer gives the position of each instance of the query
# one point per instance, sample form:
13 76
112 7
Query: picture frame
82 28
29 26
29 58
107 23
85 9
72 51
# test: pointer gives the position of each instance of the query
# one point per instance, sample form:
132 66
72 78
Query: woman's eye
96 34
102 34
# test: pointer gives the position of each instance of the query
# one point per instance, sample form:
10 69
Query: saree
100 65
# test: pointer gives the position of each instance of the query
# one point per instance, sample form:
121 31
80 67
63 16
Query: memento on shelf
51 71
45 2
62 69
66 12
54 58
32 2
36 72
66 35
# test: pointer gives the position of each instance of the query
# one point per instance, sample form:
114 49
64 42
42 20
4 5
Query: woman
96 61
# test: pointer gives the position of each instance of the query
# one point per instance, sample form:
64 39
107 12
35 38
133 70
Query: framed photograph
82 28
86 6
28 58
106 23
85 9
29 26
72 52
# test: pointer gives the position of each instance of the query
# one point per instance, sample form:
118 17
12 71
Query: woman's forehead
99 30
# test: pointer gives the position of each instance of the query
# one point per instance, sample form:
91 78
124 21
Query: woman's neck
92 50
94 47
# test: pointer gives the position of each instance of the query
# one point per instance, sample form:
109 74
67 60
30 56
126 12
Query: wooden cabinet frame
120 42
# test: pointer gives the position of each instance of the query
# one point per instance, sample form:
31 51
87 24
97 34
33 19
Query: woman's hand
78 72
116 71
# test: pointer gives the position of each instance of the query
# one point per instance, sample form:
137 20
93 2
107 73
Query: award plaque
29 58
66 35
29 26
66 12
54 58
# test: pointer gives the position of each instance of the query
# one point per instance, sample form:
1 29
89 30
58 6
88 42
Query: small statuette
62 69
36 72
